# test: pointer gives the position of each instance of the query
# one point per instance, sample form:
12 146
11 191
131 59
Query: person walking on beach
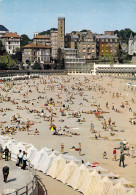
122 158
1 152
6 151
5 171
114 154
62 147
80 148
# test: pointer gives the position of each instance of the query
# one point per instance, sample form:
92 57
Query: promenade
17 178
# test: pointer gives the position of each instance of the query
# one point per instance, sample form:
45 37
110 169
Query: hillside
7 60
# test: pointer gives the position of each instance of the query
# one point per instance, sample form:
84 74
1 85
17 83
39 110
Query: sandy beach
43 101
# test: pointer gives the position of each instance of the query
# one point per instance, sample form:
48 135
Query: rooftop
106 37
3 28
10 34
42 37
37 45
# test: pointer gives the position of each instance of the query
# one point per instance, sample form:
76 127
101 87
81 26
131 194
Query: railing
8 73
34 187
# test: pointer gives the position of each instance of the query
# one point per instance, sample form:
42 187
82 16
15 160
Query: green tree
84 30
47 32
18 55
2 48
3 66
124 34
123 57
60 59
36 66
25 40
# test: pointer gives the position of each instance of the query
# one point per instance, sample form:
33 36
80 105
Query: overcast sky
28 16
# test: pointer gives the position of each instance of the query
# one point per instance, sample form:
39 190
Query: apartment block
54 43
11 41
36 52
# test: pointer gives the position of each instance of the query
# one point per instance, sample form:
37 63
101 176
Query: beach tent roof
67 172
46 164
122 180
118 189
131 192
57 166
98 168
78 177
103 186
90 183
68 157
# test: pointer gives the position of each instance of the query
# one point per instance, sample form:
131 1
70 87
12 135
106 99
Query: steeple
131 37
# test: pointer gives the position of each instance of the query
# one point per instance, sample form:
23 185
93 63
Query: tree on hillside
48 32
124 34
18 55
36 66
123 57
60 59
2 48
84 30
25 40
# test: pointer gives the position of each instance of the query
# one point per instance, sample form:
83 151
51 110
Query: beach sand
91 149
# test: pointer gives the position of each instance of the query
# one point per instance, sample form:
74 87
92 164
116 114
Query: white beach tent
10 143
78 177
131 192
57 166
67 172
90 183
41 158
15 150
47 162
98 168
122 180
69 158
38 157
31 153
118 189
103 186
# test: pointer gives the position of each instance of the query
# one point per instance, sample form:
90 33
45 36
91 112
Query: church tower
61 32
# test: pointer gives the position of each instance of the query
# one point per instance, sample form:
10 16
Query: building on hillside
36 53
132 45
84 42
71 41
74 64
44 39
109 32
61 32
107 46
87 45
3 30
11 41
54 44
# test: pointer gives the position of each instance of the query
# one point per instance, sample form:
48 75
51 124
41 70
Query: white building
132 45
74 64
36 53
54 43
11 41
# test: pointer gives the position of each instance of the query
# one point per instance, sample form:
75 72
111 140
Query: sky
29 16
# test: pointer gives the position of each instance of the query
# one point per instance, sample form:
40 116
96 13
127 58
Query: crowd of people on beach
59 109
